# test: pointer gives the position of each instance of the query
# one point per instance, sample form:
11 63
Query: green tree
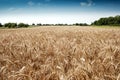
7 25
108 21
33 24
22 25
81 24
117 20
13 25
10 25
1 25
39 24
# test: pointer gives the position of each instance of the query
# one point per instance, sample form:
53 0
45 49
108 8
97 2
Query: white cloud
30 3
88 3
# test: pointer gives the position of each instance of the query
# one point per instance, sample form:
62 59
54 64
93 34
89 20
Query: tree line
20 25
76 24
14 25
111 21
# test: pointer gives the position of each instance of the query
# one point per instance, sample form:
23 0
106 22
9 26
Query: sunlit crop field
60 53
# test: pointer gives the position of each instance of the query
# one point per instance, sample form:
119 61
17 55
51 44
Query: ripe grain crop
60 53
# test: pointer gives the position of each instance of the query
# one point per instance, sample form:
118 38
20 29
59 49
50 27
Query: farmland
60 53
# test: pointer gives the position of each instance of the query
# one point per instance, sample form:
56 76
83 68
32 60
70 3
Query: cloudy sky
57 11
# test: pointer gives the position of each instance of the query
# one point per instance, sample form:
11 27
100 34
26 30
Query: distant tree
10 25
26 25
85 24
108 21
1 25
77 24
65 24
22 25
13 25
39 24
81 24
33 24
111 21
7 25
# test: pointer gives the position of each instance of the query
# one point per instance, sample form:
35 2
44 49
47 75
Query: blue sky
57 11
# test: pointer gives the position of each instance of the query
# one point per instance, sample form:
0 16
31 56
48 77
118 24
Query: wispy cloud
83 4
39 4
87 3
47 0
14 10
30 3
11 9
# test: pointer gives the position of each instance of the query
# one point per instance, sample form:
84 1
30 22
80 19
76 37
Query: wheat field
60 53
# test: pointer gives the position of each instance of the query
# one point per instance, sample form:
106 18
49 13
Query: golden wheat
60 53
